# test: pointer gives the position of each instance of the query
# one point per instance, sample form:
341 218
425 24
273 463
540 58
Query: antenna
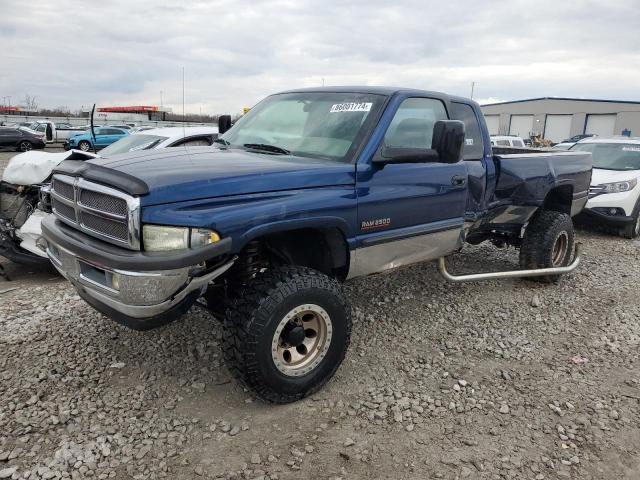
473 86
93 131
184 134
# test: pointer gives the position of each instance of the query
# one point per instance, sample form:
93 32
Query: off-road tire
543 232
86 144
252 320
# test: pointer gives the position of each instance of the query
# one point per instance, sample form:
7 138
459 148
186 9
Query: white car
507 141
614 195
30 173
164 137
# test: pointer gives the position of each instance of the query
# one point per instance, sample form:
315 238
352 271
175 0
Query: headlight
617 187
159 238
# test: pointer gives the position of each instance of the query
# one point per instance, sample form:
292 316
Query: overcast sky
234 53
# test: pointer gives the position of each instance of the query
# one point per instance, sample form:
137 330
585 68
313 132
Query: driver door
102 137
409 212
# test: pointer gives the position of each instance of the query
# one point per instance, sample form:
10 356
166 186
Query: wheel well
559 199
323 249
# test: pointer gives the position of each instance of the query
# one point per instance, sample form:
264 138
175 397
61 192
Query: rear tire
286 333
548 242
84 146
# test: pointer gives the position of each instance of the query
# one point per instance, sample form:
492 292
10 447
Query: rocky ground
494 380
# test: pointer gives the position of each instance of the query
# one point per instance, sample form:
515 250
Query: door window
412 125
194 142
473 148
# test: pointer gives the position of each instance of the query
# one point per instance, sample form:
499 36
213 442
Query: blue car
105 136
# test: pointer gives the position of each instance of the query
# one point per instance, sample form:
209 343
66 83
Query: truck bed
525 179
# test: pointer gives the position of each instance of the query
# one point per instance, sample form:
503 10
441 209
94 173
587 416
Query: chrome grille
63 189
595 190
106 203
64 210
105 226
97 210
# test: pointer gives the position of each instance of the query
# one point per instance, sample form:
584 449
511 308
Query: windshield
312 124
132 143
612 156
562 146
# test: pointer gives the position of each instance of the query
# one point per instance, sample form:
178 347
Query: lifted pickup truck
309 188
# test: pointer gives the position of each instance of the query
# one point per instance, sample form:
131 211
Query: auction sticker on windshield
351 107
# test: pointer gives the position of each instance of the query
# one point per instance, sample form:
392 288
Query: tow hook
540 272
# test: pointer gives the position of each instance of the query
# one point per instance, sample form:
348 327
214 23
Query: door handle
458 180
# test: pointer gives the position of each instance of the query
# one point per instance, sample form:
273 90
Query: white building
559 118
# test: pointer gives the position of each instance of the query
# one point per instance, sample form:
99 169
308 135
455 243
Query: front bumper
588 215
141 291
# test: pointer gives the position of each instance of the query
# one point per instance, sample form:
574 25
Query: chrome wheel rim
301 340
559 251
636 227
25 146
84 147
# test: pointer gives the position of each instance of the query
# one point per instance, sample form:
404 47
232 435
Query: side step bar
540 272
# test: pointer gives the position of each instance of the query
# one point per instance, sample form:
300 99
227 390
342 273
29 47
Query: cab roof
377 90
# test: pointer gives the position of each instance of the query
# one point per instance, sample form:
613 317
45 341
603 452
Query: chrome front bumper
137 295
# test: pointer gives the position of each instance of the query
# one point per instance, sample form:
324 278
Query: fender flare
292 224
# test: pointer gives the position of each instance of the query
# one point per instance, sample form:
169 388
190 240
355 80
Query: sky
234 53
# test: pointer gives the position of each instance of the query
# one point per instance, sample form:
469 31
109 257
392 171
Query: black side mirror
448 139
224 123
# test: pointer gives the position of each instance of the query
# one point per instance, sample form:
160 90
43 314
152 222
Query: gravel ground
508 379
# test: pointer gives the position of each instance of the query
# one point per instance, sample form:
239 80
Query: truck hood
180 174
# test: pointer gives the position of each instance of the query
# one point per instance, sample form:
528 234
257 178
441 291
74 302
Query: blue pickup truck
310 188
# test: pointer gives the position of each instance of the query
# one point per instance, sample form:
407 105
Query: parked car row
20 139
24 189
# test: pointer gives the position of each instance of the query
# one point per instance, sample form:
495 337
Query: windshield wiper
267 148
222 141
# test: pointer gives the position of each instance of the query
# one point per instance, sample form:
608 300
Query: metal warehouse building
559 118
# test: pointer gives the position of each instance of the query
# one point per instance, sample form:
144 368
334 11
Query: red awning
134 109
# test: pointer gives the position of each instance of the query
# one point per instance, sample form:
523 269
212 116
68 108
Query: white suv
614 191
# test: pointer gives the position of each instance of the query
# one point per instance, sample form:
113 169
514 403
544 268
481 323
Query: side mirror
448 139
224 123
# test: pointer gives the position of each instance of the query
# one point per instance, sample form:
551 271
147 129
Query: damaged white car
24 189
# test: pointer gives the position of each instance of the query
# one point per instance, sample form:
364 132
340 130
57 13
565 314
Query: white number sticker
351 107
631 149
